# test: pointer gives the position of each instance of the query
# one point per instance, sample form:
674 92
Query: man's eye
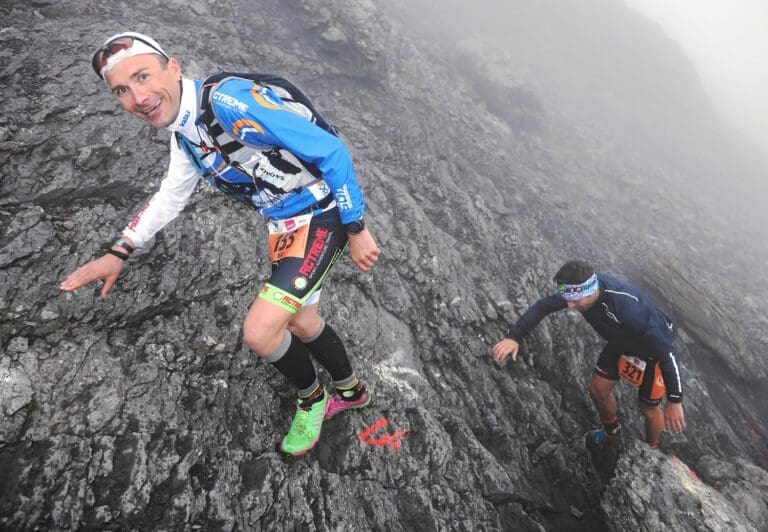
120 91
143 76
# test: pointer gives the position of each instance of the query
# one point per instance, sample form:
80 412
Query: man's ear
175 67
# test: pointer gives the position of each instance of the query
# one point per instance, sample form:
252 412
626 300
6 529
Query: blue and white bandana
575 292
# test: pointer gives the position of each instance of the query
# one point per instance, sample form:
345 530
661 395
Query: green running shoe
306 426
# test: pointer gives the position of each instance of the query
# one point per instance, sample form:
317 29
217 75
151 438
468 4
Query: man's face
147 89
585 303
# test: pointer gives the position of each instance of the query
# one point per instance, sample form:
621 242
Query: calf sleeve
291 358
328 350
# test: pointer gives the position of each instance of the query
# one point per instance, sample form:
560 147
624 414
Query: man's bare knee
306 323
264 327
260 335
256 341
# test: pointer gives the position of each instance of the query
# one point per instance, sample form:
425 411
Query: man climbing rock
257 138
640 347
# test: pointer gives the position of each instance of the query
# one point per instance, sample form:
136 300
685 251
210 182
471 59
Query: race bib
631 370
288 238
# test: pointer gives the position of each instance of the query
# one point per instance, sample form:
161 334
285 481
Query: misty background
672 92
638 167
726 42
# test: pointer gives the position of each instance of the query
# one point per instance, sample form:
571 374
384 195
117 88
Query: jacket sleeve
672 379
255 116
661 343
657 339
542 308
175 191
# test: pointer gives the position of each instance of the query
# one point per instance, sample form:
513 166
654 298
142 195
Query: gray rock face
145 411
661 493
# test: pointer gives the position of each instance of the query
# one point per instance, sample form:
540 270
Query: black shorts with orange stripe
614 364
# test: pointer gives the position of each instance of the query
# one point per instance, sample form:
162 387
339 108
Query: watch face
355 227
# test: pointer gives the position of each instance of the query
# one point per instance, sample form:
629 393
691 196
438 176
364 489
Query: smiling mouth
152 108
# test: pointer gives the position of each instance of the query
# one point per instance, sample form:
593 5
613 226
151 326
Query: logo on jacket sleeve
265 97
229 101
343 200
244 126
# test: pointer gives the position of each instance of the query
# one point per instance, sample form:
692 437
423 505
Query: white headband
142 44
138 48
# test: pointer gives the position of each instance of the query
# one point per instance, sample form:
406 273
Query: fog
727 41
678 93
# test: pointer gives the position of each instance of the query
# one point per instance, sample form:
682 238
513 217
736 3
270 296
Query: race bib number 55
288 238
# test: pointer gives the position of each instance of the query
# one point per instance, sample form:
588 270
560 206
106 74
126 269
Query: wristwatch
122 243
356 227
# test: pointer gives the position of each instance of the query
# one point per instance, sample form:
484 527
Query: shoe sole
356 407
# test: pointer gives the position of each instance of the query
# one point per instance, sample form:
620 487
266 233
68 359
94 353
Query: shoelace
303 412
302 417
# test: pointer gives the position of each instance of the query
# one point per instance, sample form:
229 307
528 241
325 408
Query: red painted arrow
391 440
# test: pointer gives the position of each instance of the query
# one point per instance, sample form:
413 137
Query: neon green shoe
305 428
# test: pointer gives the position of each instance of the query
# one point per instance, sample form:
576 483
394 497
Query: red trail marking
391 440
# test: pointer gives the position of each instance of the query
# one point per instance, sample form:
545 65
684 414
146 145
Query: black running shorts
303 250
615 363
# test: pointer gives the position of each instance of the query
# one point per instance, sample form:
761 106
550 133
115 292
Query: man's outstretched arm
542 308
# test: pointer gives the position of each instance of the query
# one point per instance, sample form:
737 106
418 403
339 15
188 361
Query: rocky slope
145 411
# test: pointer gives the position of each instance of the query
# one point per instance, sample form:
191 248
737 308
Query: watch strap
124 244
118 254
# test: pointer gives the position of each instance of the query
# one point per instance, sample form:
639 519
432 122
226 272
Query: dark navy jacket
625 317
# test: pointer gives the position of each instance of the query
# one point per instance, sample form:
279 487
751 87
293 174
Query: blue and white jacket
625 317
257 118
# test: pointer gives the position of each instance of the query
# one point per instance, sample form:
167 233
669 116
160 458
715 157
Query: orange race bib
288 238
631 370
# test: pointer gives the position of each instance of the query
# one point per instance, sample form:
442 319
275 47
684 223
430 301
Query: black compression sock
328 350
292 360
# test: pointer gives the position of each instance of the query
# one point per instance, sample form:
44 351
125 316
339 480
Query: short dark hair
574 272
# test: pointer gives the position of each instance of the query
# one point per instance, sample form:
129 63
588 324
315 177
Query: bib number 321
631 370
